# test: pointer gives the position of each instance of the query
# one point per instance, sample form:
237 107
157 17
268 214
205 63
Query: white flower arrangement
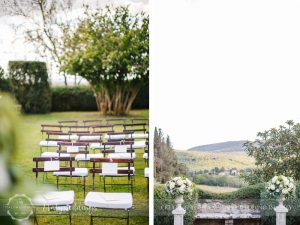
281 186
179 186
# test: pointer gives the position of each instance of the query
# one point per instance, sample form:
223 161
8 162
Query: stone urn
281 211
178 212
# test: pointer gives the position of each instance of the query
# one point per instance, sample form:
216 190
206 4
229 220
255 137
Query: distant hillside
229 146
198 160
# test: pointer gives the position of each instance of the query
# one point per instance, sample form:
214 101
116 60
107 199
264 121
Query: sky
223 70
13 47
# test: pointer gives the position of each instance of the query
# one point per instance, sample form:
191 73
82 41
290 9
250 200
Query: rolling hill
229 146
197 160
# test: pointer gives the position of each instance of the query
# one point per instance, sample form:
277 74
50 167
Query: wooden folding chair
117 171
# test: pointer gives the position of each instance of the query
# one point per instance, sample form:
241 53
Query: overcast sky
223 70
12 46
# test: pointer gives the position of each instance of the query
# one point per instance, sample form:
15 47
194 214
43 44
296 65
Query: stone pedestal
281 212
179 211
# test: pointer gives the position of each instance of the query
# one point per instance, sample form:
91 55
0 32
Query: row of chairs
94 128
116 149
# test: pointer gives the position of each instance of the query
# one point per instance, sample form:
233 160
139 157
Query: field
206 160
30 136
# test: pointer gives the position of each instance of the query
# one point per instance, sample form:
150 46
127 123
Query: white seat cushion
109 200
145 156
55 198
146 172
139 144
96 145
79 172
68 137
126 155
140 136
54 154
48 144
116 136
88 138
119 168
87 157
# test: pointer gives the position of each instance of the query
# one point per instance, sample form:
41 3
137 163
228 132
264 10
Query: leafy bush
81 98
268 203
164 204
30 85
4 81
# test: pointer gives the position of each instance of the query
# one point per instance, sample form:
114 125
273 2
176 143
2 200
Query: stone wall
219 212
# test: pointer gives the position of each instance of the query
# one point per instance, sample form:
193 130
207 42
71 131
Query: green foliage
81 98
249 192
30 85
164 204
268 203
216 180
110 48
165 161
276 152
8 148
4 81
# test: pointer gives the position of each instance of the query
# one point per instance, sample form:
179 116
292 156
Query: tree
110 49
276 151
42 27
165 160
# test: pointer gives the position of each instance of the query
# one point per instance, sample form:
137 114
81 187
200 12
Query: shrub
81 98
30 85
164 204
4 81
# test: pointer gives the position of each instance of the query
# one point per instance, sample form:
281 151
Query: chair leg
91 216
34 217
104 184
84 186
70 217
127 217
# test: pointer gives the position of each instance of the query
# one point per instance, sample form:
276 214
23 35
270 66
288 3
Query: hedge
81 98
164 204
29 82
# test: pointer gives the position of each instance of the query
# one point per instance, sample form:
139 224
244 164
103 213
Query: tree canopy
276 151
165 160
110 49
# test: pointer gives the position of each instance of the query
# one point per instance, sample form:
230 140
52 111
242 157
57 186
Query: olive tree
276 151
110 49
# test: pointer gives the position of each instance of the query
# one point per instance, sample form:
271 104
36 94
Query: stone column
281 212
179 211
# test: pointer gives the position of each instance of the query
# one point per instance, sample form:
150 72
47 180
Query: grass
30 136
217 189
205 160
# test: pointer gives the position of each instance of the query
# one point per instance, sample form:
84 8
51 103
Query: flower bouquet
179 186
281 186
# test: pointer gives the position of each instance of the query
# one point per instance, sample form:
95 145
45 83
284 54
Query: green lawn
31 135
